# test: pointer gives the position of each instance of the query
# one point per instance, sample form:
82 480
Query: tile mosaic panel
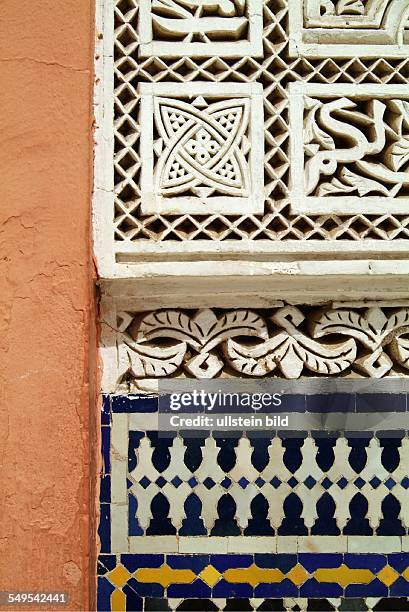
127 582
249 519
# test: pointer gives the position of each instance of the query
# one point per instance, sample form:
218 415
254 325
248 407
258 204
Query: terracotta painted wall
45 297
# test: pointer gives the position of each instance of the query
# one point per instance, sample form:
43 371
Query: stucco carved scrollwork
290 341
354 149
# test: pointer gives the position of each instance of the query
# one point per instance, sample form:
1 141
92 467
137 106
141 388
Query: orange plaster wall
46 305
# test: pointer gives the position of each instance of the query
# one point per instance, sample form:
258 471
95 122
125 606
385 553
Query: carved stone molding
288 341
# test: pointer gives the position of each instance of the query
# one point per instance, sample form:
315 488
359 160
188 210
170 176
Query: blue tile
105 489
285 588
135 561
193 562
105 588
228 589
197 589
105 444
134 403
282 562
399 561
146 589
381 402
224 562
106 410
106 563
374 589
312 561
400 588
331 402
104 528
134 603
373 562
312 588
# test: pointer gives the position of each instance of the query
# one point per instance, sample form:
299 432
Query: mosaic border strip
256 575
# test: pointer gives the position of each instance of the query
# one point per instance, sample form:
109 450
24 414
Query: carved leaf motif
335 186
252 361
204 330
169 324
399 350
146 361
348 322
291 355
370 328
362 184
233 324
399 154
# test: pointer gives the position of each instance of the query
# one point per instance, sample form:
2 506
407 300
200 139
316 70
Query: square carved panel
201 28
349 148
202 151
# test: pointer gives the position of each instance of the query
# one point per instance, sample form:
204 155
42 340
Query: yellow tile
297 575
118 601
210 575
253 575
119 576
388 575
405 574
344 576
164 575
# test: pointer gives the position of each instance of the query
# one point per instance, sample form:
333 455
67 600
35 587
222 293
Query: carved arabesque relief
290 341
352 149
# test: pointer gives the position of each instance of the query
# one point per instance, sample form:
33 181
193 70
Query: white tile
153 544
241 544
322 544
203 545
374 544
286 544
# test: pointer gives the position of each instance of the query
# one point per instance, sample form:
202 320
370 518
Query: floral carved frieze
368 28
289 342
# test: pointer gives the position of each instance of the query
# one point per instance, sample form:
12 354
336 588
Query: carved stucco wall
251 220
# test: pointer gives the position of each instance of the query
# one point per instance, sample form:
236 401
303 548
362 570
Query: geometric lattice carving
200 28
275 71
207 148
288 342
347 28
351 145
